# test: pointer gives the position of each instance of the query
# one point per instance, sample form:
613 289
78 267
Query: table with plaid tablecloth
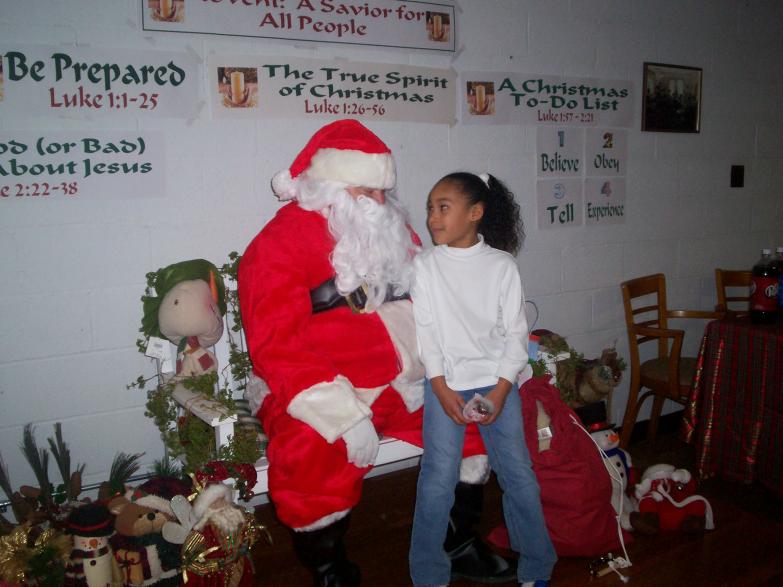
735 412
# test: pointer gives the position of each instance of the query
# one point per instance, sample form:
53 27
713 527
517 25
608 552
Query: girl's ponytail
501 225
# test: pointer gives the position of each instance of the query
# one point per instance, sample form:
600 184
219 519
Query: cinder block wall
73 271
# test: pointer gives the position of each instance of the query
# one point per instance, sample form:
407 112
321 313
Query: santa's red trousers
310 478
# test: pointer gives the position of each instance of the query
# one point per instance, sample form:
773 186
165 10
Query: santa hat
344 151
157 493
149 500
210 495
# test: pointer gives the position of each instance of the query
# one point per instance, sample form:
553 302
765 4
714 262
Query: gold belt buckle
357 307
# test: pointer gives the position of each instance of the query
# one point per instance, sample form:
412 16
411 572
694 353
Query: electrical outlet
737 176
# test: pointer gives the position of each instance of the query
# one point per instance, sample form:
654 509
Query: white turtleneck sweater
469 310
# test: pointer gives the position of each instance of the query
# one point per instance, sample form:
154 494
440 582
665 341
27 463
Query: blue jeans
508 456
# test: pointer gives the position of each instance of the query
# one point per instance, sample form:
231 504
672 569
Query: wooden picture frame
671 98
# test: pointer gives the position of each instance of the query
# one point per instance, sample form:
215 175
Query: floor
744 549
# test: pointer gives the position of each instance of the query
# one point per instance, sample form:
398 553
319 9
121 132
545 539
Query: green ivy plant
186 437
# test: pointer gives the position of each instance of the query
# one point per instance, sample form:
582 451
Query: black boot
470 558
322 552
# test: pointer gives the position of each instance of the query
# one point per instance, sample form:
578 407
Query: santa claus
323 292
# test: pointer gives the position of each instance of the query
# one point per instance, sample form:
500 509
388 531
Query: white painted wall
73 271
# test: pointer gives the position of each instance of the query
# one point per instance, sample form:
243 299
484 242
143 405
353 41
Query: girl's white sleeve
512 303
426 327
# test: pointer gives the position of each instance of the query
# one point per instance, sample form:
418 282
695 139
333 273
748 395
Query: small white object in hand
477 408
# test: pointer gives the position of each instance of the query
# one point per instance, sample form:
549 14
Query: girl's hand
451 402
498 398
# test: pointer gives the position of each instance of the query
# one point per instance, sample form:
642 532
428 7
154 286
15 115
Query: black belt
326 297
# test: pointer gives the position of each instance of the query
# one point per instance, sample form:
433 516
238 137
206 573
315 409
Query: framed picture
672 98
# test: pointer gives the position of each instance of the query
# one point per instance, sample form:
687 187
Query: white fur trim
641 489
156 567
327 520
659 471
330 408
475 470
209 496
355 168
368 395
154 502
284 186
255 393
409 382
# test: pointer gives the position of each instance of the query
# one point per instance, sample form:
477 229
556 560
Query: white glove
361 441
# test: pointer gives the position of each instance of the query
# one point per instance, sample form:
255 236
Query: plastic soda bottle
779 264
764 290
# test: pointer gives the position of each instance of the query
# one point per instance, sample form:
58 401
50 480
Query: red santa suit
329 370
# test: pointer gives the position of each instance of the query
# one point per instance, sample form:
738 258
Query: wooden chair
668 376
725 279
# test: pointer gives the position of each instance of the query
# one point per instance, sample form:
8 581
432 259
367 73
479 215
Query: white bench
393 454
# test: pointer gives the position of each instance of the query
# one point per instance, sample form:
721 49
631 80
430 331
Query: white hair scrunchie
485 178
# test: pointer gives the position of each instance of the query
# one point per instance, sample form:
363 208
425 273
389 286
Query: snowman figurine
618 463
92 562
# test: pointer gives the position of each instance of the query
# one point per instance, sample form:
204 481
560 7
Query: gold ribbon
15 554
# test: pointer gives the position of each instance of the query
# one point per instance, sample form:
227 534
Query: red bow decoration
244 476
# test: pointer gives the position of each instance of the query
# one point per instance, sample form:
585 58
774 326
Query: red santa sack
576 490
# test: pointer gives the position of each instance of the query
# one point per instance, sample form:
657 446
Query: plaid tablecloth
735 412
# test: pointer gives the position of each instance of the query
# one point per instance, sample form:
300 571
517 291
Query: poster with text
91 81
560 152
61 165
489 97
382 23
604 200
559 203
281 87
606 151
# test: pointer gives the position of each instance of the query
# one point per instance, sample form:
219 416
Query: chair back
736 283
644 299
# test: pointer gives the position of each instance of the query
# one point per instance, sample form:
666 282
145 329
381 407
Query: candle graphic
481 98
237 87
166 8
437 26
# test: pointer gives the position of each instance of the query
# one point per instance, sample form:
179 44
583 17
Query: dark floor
745 549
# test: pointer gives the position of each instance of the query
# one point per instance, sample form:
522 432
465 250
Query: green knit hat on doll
190 301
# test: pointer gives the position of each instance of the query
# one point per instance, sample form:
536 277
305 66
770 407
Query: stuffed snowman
92 562
618 463
188 311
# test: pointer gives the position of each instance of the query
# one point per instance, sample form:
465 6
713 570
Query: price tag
157 348
544 433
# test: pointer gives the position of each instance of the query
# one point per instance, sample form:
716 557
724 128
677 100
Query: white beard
374 244
227 519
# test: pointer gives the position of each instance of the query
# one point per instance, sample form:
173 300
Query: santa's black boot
322 552
470 558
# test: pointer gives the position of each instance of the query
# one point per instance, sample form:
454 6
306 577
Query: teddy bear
599 377
188 311
618 463
668 501
144 555
582 381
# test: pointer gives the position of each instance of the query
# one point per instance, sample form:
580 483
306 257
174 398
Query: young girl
472 333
